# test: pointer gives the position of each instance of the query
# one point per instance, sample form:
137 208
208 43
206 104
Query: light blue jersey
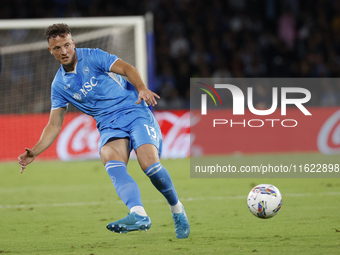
107 97
92 88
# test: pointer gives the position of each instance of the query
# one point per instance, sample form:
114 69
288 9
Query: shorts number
151 130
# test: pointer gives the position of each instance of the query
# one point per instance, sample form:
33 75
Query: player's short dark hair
57 30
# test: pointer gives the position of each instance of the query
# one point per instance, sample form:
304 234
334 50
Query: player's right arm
48 136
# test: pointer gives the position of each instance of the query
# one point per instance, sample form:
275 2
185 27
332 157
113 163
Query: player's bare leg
115 150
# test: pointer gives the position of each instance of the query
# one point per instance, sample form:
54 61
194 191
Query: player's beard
70 66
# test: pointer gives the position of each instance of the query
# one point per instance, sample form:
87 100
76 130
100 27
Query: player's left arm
123 68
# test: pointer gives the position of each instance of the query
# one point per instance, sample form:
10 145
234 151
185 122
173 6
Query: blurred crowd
222 38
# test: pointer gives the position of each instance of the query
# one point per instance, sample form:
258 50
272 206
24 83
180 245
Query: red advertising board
248 133
79 137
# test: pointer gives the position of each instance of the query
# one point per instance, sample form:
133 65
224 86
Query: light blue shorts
139 126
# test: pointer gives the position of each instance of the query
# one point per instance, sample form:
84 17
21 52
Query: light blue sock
161 179
126 187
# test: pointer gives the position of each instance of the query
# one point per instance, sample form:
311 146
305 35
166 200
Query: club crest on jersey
77 96
86 70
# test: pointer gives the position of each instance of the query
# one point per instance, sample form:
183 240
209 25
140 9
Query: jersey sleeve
102 60
57 100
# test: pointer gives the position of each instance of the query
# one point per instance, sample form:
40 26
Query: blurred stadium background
233 38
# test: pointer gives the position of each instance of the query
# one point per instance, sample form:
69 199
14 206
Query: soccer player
90 79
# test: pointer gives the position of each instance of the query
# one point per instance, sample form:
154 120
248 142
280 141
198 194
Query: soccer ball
264 201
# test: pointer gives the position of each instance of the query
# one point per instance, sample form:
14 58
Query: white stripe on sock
118 163
152 168
160 167
112 165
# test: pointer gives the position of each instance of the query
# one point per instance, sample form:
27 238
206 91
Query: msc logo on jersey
86 70
88 86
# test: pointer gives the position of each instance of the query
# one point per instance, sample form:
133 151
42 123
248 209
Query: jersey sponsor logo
88 86
329 135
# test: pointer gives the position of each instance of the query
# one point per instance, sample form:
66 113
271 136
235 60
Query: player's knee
147 155
108 153
147 160
144 164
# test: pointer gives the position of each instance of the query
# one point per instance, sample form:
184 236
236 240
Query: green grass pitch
63 207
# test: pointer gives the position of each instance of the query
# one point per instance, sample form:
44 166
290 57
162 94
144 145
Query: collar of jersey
79 58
